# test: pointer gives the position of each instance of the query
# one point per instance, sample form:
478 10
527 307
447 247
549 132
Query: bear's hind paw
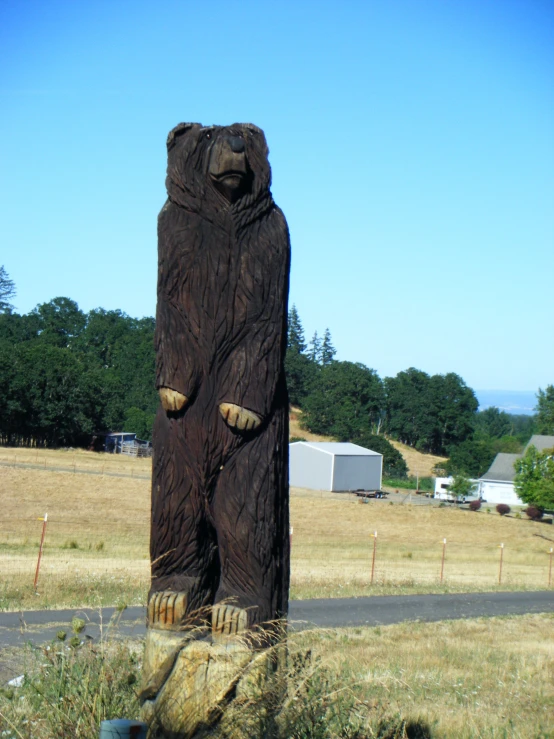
167 609
228 620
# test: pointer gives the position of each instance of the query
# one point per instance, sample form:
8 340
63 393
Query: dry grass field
488 677
475 679
295 429
420 465
96 548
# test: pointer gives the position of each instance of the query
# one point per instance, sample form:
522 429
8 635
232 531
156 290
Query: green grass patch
410 483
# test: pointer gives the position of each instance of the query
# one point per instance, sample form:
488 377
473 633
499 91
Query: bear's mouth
230 174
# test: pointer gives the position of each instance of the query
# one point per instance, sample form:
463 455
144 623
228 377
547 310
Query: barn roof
502 469
338 448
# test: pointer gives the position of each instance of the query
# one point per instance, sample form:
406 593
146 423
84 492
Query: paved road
41 626
38 627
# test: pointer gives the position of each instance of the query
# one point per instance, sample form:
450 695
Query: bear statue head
217 165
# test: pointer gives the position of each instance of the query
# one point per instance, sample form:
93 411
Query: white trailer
442 485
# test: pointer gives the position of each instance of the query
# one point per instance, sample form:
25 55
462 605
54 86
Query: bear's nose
236 144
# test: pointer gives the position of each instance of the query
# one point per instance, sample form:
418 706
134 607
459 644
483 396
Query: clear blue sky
412 147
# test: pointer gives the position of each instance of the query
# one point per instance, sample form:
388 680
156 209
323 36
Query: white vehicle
442 485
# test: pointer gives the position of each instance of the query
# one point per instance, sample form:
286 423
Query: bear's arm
176 346
255 368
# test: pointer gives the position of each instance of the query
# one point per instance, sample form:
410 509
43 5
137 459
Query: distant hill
511 401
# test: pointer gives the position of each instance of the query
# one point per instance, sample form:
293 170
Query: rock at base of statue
193 683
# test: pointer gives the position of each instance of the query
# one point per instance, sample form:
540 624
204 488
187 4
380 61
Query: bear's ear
251 127
179 130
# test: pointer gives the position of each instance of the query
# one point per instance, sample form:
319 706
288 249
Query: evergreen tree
315 349
7 291
299 368
328 351
545 409
296 341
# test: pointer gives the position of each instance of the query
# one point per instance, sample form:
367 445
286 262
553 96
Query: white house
497 484
334 466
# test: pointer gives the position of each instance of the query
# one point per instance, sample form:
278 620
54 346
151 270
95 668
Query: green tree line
66 374
432 413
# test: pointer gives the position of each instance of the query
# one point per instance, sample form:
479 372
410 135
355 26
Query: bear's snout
236 143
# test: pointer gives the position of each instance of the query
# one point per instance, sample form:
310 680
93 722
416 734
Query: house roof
338 448
541 442
502 469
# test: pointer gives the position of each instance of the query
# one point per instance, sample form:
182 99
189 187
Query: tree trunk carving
219 538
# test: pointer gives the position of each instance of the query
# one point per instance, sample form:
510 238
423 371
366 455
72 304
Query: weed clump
306 698
70 687
69 690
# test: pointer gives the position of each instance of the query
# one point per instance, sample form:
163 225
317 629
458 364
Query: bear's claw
172 401
239 418
228 620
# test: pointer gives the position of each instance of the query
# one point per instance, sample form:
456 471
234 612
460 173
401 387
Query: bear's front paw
239 418
172 401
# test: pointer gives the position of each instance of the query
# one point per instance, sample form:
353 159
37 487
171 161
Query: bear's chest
225 276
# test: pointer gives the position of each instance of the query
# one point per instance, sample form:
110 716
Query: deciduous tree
346 400
472 457
534 480
429 413
493 422
461 487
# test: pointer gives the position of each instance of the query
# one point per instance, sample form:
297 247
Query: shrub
475 505
534 513
394 464
296 438
503 509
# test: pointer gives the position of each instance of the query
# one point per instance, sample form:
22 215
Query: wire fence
103 548
126 466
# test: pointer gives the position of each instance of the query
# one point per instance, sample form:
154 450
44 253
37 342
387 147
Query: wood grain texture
220 472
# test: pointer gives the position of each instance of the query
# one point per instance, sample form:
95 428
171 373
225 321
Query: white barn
497 484
334 466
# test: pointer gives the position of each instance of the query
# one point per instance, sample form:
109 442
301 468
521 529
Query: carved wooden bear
220 473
